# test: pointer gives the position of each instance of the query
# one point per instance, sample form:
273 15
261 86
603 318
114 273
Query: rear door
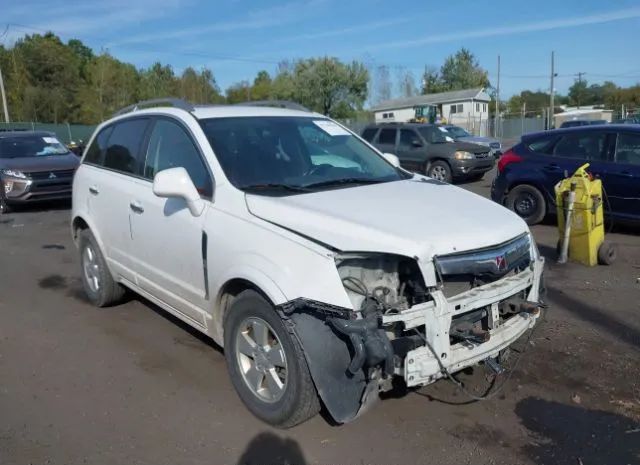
623 190
411 149
113 162
386 141
572 150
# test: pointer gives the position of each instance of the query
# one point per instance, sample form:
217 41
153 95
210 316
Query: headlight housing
13 174
462 155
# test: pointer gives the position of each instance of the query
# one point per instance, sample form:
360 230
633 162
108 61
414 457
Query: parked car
321 267
430 150
34 166
581 122
458 133
529 171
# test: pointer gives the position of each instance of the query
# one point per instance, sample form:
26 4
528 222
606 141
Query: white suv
320 266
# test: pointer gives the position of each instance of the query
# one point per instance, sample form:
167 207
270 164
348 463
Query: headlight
14 174
462 155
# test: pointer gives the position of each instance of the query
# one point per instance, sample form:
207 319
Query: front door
169 243
411 150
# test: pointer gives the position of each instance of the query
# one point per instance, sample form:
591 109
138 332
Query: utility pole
580 74
551 90
4 99
497 117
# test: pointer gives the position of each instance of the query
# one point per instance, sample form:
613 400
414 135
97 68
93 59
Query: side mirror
175 182
416 143
391 158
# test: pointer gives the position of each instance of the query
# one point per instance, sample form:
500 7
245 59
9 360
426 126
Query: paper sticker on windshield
331 128
50 140
442 129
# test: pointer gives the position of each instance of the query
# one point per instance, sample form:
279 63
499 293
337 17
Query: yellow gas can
586 240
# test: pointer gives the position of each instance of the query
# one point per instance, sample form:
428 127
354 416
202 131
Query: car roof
222 111
578 129
26 134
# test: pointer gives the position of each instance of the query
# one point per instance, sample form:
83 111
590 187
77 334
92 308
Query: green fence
65 132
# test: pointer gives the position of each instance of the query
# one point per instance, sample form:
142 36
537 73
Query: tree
406 83
382 84
331 87
239 92
158 81
459 71
431 83
578 93
261 89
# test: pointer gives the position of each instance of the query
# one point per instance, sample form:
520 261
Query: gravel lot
132 385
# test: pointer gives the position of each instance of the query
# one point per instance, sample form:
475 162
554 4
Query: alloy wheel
91 269
261 359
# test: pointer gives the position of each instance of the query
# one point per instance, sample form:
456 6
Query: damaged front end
461 308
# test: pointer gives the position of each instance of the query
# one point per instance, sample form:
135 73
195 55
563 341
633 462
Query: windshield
30 146
456 132
293 154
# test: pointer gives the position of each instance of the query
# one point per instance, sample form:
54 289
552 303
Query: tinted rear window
369 133
95 152
124 144
544 145
387 136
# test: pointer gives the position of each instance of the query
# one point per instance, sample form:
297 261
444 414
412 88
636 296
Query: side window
169 147
387 136
584 145
95 152
628 148
543 145
407 136
369 133
123 146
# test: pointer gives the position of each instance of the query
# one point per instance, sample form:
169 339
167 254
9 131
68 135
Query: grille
38 175
482 155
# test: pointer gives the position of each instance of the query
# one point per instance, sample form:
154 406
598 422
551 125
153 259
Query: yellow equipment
586 236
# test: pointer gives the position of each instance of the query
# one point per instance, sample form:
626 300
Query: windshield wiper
275 186
339 182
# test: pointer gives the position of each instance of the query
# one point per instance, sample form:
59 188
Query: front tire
99 286
266 363
528 202
440 170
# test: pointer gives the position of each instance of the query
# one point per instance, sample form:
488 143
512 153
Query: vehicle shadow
176 321
269 449
51 205
571 434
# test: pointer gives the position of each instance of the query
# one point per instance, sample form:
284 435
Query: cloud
254 20
545 25
346 30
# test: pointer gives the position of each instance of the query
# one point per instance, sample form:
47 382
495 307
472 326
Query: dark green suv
427 149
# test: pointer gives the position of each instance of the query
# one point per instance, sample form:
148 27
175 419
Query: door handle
94 190
551 167
136 207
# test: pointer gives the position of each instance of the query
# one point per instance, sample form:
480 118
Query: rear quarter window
544 145
124 144
95 152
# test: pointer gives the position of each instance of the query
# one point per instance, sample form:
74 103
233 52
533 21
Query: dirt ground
132 385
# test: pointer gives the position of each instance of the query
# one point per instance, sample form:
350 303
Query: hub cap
261 359
91 269
439 173
525 205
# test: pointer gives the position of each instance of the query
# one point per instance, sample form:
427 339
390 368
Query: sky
237 38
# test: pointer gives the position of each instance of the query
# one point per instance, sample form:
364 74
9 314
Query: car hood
51 163
479 140
419 217
464 144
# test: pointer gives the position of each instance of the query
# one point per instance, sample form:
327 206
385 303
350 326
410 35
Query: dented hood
418 217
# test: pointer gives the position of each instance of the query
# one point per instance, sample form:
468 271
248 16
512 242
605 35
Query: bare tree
382 84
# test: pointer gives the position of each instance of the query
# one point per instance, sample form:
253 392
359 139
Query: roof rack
275 103
174 102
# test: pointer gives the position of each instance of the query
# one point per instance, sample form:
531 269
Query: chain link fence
64 132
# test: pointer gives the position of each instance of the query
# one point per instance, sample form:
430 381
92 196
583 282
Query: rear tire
607 253
98 283
440 170
275 386
528 202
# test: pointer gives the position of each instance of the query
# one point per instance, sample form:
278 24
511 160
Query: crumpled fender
328 357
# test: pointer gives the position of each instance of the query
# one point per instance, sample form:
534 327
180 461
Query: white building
467 108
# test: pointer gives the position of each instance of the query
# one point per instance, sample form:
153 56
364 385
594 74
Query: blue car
528 172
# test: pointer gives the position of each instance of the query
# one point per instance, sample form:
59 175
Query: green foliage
459 71
324 84
48 80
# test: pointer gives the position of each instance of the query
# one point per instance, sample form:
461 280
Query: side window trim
191 138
